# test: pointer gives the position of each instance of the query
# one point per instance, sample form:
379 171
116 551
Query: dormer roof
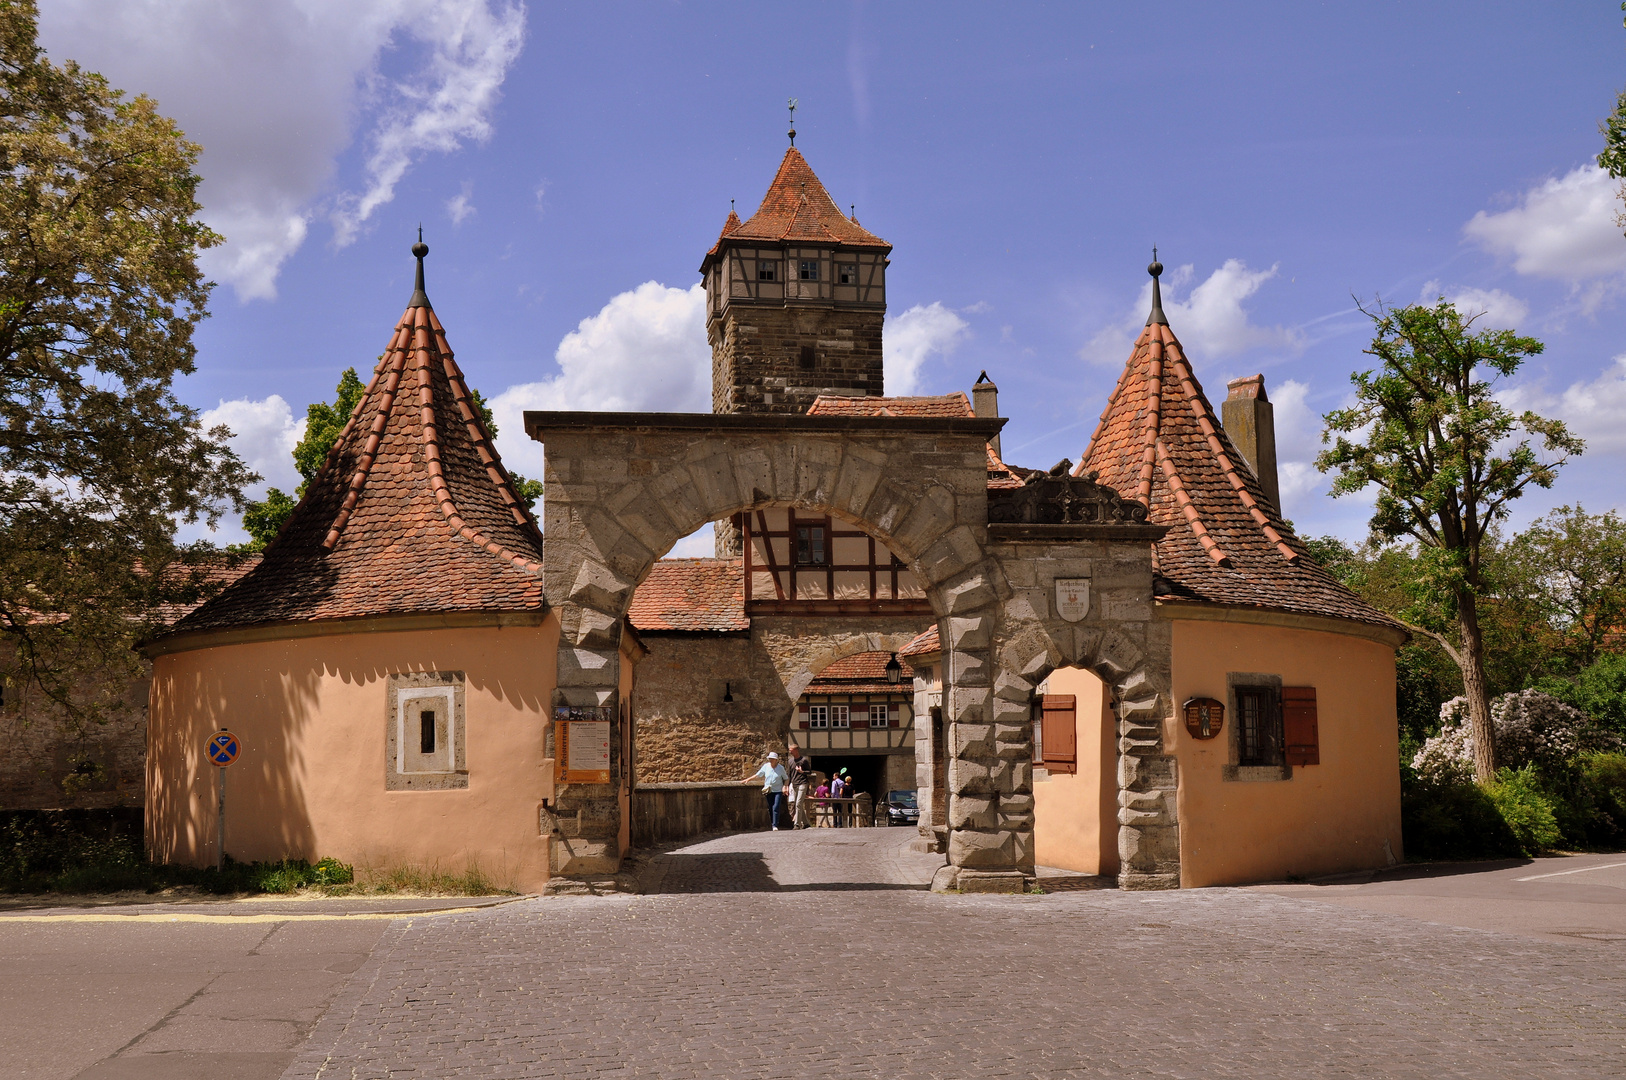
412 512
1160 443
797 209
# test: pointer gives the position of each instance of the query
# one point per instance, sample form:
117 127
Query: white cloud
275 91
909 339
1210 322
461 205
1563 228
645 351
1495 308
1594 409
1298 440
264 434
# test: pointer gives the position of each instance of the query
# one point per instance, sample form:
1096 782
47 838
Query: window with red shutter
1301 736
1059 732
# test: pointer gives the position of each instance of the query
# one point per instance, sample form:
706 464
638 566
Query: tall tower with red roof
795 299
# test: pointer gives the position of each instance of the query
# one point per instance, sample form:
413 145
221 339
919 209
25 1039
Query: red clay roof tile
1159 442
412 512
693 595
797 209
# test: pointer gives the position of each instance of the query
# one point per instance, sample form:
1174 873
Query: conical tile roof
797 209
411 513
1159 442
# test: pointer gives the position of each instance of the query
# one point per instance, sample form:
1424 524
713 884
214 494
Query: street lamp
894 670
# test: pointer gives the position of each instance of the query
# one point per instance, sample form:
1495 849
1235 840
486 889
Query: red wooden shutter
1301 736
1060 733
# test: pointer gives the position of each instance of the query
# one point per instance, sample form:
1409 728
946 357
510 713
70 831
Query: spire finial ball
420 249
1154 268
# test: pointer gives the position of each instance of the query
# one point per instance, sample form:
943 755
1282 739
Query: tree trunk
1481 735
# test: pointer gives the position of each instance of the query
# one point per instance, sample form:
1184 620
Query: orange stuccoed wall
311 715
1343 814
1340 815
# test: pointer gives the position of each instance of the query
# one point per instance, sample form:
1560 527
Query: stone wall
51 764
757 361
685 730
662 813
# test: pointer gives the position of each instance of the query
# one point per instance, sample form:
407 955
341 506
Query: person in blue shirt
773 777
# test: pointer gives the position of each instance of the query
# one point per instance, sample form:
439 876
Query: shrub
1453 819
1530 727
1603 782
1525 808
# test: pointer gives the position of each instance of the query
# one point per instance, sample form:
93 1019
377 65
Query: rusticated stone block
971 812
972 740
1001 882
982 850
968 777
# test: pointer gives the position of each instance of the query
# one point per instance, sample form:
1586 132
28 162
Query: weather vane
793 121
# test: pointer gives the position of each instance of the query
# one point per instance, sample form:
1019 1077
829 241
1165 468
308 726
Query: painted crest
1072 598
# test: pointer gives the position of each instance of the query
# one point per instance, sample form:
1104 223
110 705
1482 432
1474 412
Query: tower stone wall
778 359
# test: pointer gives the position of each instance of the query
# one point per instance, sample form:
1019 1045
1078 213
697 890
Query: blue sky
571 163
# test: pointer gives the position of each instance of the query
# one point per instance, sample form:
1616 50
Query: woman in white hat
773 777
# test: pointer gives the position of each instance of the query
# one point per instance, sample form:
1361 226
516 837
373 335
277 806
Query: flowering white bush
1529 727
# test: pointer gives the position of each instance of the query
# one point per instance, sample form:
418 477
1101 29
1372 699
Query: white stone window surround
407 694
446 695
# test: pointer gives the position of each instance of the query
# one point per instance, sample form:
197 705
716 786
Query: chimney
1250 421
985 402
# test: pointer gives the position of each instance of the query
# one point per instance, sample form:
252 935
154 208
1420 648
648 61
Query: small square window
810 270
879 715
838 716
847 274
807 359
767 270
818 716
810 549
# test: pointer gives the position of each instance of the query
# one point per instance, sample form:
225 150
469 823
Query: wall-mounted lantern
728 692
894 670
1204 717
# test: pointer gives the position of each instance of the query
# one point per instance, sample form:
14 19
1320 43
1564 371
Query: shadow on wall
311 716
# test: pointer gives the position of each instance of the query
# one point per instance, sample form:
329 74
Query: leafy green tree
100 292
1567 572
323 424
1446 458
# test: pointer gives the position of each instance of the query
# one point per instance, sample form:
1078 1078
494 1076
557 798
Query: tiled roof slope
923 645
691 595
797 209
212 576
1000 475
864 673
411 513
1159 442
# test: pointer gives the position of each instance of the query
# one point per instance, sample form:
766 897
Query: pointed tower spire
419 297
1156 270
411 513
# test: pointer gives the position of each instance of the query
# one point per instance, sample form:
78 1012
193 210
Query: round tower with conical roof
795 297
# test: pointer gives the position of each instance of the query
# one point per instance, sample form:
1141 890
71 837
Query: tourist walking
801 782
838 791
773 777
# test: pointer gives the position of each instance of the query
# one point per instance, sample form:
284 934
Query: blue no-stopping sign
222 748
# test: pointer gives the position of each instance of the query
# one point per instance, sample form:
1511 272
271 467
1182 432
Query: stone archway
622 489
803 669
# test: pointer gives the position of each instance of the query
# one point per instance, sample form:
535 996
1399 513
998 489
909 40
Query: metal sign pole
220 818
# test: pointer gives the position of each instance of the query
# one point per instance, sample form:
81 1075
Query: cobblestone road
815 954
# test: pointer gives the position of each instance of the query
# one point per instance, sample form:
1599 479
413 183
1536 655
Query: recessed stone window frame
408 695
1245 680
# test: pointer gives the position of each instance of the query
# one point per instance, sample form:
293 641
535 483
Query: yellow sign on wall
581 735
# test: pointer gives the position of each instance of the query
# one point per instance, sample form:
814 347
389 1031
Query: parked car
901 808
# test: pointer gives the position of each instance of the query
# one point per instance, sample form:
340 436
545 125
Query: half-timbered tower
795 300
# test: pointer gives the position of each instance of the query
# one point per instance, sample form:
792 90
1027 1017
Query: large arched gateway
1062 575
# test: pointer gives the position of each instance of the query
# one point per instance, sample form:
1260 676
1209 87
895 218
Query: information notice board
581 735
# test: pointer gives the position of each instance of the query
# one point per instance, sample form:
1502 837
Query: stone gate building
1132 667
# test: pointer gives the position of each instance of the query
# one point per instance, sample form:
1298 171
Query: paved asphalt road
816 953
